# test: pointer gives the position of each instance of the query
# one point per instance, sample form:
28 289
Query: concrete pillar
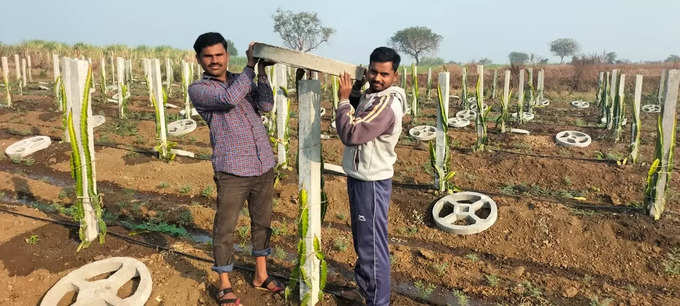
24 65
493 85
441 128
636 125
28 68
520 97
414 92
539 84
75 76
309 152
157 91
55 67
619 114
429 83
17 65
600 85
5 79
186 80
530 83
102 71
662 82
113 71
657 200
281 106
120 68
612 93
505 103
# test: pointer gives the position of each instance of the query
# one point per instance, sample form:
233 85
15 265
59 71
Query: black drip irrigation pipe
336 293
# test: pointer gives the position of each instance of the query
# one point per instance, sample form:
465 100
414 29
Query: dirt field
549 246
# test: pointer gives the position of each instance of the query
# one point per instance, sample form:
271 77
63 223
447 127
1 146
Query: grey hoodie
370 133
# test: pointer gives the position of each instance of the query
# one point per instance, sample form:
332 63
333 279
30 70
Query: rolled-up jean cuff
263 252
223 269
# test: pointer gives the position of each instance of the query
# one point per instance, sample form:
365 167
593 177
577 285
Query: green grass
124 128
671 264
424 289
492 280
207 192
280 230
340 244
340 216
531 290
185 189
279 253
440 268
460 296
162 185
472 256
160 227
595 301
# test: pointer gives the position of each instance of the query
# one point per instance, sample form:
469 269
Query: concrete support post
441 142
309 153
610 103
637 122
28 68
75 77
120 68
657 196
281 106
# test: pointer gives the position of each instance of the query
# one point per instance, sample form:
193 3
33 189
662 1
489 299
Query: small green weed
671 264
162 185
424 289
440 268
279 253
32 240
472 257
460 296
340 216
340 244
492 280
595 301
207 192
185 189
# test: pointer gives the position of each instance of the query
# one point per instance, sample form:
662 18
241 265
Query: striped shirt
232 110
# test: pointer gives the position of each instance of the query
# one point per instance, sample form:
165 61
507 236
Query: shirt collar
210 77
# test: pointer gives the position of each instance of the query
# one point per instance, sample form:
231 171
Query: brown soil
545 248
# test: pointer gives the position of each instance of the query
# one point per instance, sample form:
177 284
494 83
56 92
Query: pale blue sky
635 30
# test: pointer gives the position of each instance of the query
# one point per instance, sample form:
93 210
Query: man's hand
345 86
249 54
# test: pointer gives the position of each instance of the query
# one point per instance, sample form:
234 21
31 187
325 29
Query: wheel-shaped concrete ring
27 146
466 114
465 213
103 291
651 108
458 122
580 104
422 132
573 139
181 127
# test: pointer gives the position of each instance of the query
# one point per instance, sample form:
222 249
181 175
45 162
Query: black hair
386 54
209 39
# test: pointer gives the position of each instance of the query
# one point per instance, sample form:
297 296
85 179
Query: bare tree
416 41
301 31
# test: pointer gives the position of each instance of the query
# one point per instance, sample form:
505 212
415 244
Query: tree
610 57
301 31
563 47
231 48
518 58
416 41
672 59
485 61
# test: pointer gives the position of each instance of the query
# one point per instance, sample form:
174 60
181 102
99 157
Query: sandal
222 300
278 287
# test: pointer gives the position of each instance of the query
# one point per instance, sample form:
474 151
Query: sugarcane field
546 178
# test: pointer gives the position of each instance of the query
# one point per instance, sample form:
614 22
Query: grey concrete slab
306 60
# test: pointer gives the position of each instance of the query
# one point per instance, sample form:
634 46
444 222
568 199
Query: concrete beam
306 60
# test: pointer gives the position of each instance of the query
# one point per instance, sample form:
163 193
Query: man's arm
263 97
356 128
209 97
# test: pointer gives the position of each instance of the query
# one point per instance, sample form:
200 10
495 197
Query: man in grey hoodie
369 126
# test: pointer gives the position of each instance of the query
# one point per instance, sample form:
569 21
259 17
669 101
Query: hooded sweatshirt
370 133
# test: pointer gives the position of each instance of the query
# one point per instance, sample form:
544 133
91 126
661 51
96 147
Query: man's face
380 75
214 60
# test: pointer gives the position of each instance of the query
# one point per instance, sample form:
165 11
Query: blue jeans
369 204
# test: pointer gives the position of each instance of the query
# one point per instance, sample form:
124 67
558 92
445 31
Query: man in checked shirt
242 157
